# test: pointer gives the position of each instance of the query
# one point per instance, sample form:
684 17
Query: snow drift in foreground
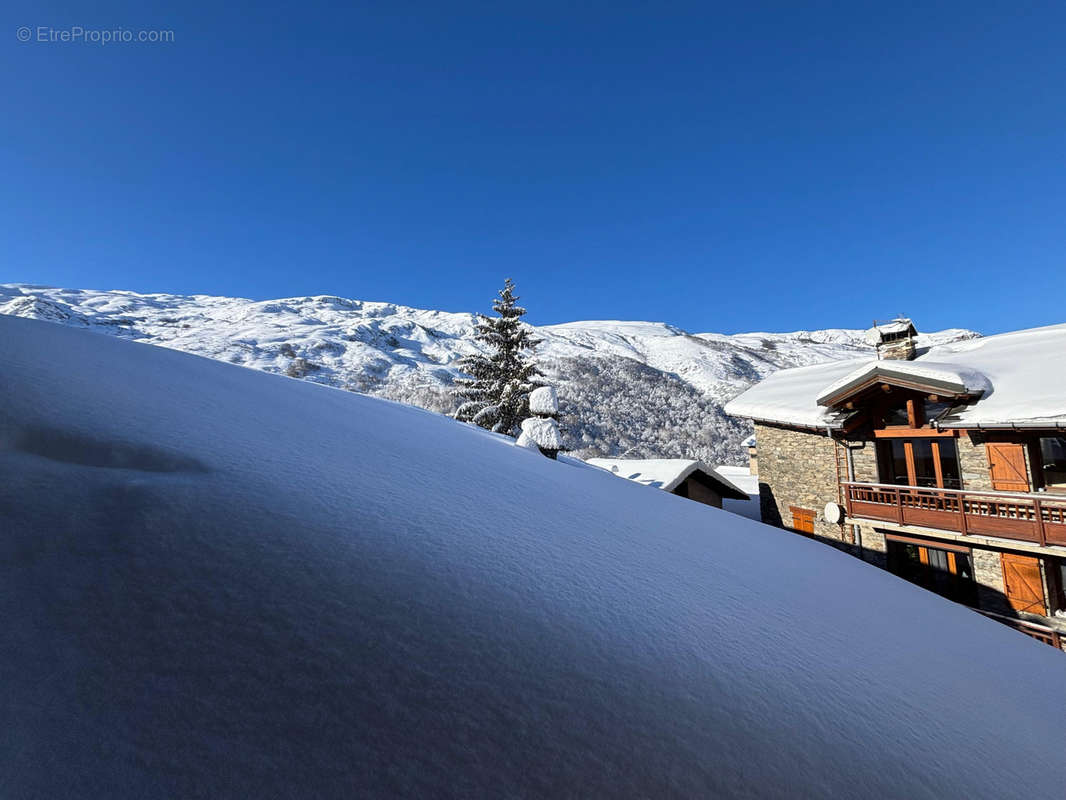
222 583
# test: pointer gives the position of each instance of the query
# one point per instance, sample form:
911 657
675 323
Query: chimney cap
891 331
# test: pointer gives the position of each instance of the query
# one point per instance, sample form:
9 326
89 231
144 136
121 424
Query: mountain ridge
628 388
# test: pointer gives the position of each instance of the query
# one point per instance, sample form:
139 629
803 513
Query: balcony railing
1037 518
1042 633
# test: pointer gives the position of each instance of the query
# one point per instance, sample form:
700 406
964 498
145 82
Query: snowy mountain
631 389
218 583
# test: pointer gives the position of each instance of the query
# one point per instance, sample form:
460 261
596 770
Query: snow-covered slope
220 583
631 389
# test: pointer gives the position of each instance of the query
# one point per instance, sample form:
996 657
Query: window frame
883 448
1036 464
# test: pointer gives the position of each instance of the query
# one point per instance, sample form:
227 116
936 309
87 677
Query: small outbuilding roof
667 473
1018 379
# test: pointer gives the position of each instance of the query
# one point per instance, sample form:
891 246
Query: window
892 461
802 519
950 474
1055 571
930 463
932 409
896 416
948 572
1053 462
924 463
906 410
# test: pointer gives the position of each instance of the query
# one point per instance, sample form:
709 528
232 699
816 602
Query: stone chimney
753 455
894 339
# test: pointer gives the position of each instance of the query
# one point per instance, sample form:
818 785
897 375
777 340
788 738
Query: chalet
945 465
681 476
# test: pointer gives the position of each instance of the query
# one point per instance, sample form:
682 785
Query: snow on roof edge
1020 377
662 473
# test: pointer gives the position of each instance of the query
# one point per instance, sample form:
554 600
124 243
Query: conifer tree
496 395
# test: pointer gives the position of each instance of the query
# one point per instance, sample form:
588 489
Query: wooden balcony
1036 518
1042 633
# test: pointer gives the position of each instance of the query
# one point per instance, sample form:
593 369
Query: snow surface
791 396
1022 376
221 583
638 388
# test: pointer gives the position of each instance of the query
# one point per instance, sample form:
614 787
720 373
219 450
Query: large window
950 474
910 411
949 573
1053 462
931 463
892 461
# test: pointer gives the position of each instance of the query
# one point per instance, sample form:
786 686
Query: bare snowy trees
496 395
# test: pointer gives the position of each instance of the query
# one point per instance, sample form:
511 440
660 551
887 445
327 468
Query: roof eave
954 389
834 425
1046 424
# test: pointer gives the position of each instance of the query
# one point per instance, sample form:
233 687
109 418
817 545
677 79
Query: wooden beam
914 433
912 413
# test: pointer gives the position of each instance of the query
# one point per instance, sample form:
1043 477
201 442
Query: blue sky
723 167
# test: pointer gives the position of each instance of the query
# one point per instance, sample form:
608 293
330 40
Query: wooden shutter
1006 463
1021 579
802 519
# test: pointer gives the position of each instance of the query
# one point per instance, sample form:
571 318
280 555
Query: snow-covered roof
949 380
224 583
1020 377
665 473
742 478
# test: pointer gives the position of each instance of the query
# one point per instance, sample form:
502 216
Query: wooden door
1021 580
1006 463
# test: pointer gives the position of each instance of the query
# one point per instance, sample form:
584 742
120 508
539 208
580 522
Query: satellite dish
834 513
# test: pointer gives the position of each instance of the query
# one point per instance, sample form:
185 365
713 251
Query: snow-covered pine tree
541 431
496 395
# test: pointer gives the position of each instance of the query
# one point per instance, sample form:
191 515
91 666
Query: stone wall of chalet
797 468
864 458
973 463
